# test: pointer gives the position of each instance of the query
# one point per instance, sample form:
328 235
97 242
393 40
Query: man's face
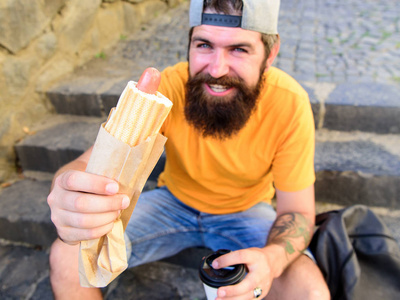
225 68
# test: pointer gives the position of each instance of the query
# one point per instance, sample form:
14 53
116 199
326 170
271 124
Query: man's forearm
292 232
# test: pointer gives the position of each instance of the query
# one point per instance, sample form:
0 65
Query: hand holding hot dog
84 206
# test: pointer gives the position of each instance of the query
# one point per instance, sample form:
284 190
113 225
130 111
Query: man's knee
316 287
320 293
301 280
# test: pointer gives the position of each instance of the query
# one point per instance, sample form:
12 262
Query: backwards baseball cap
257 15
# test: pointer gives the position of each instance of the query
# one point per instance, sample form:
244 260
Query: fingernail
221 293
215 264
125 202
112 188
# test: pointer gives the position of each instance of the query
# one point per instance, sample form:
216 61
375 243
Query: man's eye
205 46
240 50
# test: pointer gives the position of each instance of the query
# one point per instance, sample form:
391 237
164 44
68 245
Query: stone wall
41 41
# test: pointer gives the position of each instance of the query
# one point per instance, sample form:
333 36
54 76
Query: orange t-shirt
275 148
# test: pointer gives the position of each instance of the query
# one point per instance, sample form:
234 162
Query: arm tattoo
292 231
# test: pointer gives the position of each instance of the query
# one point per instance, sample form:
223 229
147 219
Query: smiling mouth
218 88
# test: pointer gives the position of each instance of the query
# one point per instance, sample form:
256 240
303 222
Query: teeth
218 88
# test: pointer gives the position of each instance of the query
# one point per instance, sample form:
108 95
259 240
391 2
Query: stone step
24 274
352 167
364 104
62 138
369 107
357 167
25 215
26 232
59 140
56 141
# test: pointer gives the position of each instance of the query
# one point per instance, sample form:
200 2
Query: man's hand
259 268
84 206
289 236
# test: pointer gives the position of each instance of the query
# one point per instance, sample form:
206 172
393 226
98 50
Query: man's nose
219 65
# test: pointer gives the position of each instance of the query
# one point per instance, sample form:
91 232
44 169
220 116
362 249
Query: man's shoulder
280 80
173 80
180 69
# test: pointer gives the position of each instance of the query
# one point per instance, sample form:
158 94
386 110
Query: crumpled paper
102 260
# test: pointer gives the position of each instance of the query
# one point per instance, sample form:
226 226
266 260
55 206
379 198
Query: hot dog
135 120
140 110
149 81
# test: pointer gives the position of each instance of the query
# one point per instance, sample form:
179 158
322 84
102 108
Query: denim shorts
162 226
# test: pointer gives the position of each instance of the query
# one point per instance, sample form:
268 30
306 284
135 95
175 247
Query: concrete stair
361 166
357 142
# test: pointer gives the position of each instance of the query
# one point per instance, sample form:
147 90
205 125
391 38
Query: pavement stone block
349 188
159 280
51 148
370 107
355 168
358 156
110 97
22 273
351 172
77 97
25 215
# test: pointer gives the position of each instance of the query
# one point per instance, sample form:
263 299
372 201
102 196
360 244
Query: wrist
276 258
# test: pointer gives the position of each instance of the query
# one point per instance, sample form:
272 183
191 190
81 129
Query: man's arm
289 236
293 228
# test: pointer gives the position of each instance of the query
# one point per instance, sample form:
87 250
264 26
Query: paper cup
214 278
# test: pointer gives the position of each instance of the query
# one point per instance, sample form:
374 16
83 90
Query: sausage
149 81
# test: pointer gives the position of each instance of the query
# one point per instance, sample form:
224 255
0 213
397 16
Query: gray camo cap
257 15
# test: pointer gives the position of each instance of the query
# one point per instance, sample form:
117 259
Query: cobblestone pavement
337 41
321 41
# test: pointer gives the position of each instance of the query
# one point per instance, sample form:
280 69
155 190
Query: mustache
224 80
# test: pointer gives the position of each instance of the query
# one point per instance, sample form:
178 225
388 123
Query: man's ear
273 54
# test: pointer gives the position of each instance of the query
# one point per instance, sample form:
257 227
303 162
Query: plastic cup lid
220 277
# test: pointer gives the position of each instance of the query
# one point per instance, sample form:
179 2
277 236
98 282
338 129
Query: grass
101 55
329 40
385 35
320 75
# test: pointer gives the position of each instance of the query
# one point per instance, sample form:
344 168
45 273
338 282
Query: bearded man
240 131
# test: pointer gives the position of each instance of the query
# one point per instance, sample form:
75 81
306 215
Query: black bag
357 255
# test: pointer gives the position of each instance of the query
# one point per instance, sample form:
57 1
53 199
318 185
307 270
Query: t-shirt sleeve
172 86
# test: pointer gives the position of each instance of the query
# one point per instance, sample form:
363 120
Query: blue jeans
162 226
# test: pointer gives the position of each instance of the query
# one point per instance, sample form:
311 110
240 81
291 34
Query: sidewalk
335 42
345 53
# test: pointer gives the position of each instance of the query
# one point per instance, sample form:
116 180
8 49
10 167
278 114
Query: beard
220 117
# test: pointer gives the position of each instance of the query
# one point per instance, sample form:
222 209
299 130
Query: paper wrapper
102 260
